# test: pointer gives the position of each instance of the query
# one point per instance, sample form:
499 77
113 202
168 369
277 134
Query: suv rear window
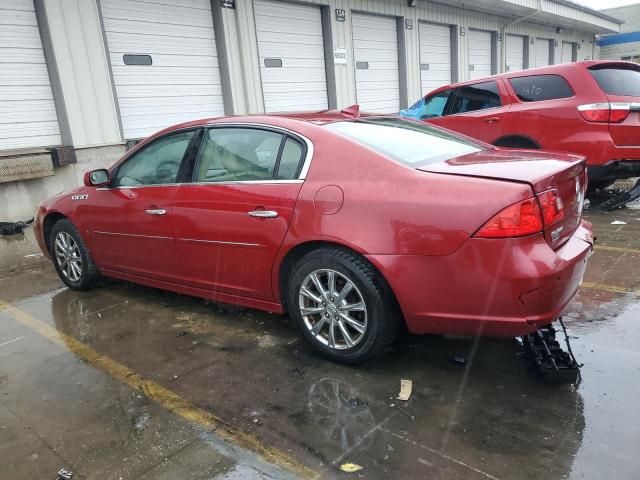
536 88
618 81
409 142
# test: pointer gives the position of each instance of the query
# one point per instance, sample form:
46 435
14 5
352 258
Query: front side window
411 143
478 96
536 88
156 164
246 154
430 107
618 81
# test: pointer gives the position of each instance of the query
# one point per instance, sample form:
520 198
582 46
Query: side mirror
97 178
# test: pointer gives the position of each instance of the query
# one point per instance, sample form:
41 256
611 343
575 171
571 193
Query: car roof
549 69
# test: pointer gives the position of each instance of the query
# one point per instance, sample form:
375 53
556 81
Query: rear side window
478 96
618 81
536 88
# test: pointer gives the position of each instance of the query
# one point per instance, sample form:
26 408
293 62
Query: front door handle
263 213
155 211
492 119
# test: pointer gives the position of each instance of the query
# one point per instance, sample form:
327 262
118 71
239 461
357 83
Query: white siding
567 52
375 45
435 56
183 83
515 53
479 54
292 34
543 50
27 111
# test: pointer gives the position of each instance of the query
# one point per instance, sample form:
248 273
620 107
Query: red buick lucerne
351 223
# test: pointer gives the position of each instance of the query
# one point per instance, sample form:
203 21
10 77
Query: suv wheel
342 305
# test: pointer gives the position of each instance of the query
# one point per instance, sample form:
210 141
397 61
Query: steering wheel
167 169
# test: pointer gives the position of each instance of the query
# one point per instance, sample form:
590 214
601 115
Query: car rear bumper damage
504 288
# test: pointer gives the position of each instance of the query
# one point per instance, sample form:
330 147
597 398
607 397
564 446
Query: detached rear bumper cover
517 285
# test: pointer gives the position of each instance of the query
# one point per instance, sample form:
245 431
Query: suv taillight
614 112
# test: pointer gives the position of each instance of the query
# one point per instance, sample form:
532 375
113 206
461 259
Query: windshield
412 143
618 81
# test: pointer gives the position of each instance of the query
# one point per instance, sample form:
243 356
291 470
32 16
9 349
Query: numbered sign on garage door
435 56
164 61
480 56
543 52
515 53
291 52
27 112
375 51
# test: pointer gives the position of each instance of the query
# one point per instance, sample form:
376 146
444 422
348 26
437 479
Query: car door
230 222
477 110
131 219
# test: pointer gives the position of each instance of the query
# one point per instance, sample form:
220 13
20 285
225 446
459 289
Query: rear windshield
618 81
412 143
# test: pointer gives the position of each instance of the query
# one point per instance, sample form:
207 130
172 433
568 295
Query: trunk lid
620 82
542 171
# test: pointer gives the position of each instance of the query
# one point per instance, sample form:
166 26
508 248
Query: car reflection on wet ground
67 398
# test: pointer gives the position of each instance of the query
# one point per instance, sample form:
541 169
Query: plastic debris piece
405 389
460 360
350 467
618 222
64 474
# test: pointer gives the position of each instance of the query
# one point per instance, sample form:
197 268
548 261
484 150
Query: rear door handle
492 119
263 213
155 211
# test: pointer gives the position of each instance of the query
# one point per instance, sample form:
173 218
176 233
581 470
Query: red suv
589 108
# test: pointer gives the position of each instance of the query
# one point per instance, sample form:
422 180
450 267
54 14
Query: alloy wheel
68 256
333 309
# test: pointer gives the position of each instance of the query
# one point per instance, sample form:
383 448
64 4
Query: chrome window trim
236 182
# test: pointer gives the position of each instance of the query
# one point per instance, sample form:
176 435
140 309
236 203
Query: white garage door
183 81
375 51
435 56
479 54
291 56
567 52
27 112
515 53
543 52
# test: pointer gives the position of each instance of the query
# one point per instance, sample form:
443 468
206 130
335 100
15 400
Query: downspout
503 47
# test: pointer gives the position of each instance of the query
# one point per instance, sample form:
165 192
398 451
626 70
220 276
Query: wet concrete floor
62 407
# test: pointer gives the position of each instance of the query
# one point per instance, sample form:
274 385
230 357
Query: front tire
342 305
71 257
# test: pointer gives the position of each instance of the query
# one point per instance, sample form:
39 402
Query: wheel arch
294 254
49 221
517 141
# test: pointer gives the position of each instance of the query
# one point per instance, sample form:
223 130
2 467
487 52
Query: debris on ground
618 222
181 334
405 389
295 372
14 228
350 467
356 403
64 474
460 360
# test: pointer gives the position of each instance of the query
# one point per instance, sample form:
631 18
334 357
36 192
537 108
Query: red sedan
351 224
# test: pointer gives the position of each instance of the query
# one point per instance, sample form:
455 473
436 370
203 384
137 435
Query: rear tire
342 305
517 142
71 257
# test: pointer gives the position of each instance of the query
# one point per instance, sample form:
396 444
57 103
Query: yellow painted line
163 396
617 249
609 288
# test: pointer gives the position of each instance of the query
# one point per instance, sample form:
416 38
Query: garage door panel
293 34
480 54
435 56
543 50
27 115
567 52
515 53
180 38
375 42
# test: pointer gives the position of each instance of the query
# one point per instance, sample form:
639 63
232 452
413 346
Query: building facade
81 78
626 44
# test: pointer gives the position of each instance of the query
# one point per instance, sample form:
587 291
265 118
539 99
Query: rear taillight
517 220
615 112
552 207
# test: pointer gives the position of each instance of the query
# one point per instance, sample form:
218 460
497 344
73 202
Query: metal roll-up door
164 62
514 53
27 110
543 52
375 51
567 52
480 54
435 56
291 51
